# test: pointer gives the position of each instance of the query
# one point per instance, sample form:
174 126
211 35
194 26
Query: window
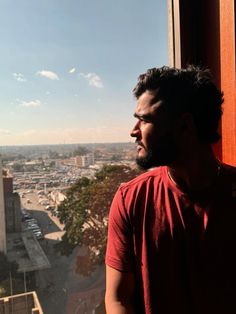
67 73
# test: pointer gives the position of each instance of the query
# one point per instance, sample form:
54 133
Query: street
60 289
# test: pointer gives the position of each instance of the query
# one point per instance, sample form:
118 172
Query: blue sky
68 67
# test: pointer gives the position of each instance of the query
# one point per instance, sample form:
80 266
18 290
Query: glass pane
67 73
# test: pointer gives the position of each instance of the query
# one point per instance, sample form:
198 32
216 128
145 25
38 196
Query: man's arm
120 292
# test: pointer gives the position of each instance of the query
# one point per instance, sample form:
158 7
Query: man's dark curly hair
186 90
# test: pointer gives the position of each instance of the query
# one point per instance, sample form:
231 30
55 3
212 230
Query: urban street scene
36 184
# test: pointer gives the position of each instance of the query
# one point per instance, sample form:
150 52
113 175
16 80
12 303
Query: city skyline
68 68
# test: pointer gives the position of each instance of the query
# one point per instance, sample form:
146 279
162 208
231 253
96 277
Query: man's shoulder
153 174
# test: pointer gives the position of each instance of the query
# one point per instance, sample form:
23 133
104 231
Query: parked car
44 202
31 220
27 216
23 211
37 231
39 236
49 207
32 224
32 227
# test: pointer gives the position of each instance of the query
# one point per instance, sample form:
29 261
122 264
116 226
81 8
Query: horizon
61 144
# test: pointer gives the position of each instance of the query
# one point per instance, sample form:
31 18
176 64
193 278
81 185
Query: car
23 211
27 216
31 220
39 236
49 207
44 202
32 224
32 227
55 212
40 192
37 231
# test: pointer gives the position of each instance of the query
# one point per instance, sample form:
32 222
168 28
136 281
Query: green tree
80 151
85 215
18 167
116 157
53 155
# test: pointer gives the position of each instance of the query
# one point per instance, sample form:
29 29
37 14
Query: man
172 230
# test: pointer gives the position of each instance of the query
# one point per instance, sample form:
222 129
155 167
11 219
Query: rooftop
26 250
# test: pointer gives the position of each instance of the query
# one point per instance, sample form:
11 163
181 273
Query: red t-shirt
182 247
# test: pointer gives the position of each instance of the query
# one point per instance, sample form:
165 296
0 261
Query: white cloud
5 132
93 79
72 70
19 77
31 103
48 74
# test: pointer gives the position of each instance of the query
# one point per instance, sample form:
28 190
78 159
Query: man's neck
196 173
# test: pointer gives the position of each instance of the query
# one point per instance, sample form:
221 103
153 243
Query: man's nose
135 132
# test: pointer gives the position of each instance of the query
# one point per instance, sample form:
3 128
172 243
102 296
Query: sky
68 67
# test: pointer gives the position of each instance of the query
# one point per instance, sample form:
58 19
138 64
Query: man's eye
144 120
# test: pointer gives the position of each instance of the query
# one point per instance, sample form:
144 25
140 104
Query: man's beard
164 154
145 162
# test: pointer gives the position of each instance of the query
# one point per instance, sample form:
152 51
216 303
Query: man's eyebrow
142 116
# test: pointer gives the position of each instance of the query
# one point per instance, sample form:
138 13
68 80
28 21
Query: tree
18 167
53 155
80 151
85 215
116 157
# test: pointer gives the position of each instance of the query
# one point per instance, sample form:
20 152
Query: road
60 289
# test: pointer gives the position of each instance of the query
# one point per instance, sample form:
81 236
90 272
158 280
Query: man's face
153 132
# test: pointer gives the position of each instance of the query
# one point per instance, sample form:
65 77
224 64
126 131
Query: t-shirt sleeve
119 254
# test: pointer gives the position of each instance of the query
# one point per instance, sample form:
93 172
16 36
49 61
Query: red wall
227 75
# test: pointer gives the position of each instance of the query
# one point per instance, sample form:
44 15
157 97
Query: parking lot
60 288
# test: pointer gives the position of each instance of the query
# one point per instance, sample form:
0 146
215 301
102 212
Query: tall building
3 246
84 161
12 205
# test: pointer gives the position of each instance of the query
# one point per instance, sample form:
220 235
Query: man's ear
185 125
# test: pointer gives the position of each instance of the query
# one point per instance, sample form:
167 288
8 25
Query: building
3 242
12 205
84 161
79 161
